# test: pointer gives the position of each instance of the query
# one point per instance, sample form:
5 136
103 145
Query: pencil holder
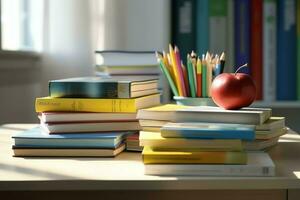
191 101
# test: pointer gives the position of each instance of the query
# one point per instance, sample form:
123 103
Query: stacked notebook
209 141
131 64
87 116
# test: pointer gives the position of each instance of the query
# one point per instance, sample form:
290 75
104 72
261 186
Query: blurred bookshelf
263 33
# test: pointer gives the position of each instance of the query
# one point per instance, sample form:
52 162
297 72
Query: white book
258 164
90 127
269 50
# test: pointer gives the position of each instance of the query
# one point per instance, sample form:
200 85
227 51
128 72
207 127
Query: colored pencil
208 74
181 74
199 78
204 78
222 61
167 74
176 71
186 82
191 76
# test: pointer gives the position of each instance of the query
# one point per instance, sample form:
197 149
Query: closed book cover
273 123
50 117
83 127
264 135
258 164
127 70
184 26
49 104
125 58
242 34
269 50
286 80
217 26
97 87
151 156
179 113
36 137
156 141
256 45
67 152
260 145
208 131
202 26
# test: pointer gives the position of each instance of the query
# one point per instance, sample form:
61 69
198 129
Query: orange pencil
176 70
199 78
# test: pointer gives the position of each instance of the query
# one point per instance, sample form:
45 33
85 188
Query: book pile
87 116
184 140
130 64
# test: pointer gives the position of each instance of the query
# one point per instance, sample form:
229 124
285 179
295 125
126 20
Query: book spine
286 51
229 66
298 48
183 26
269 50
217 26
202 32
89 90
242 33
85 105
256 45
205 134
209 170
203 157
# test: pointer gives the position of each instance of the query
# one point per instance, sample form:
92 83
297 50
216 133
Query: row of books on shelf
263 33
175 139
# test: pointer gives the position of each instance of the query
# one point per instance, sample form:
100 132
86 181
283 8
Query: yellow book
151 156
45 104
157 142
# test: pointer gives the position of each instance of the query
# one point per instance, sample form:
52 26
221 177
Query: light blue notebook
37 138
208 131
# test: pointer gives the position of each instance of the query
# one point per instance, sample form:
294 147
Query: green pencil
168 76
191 76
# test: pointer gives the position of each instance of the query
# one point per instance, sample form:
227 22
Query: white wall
73 29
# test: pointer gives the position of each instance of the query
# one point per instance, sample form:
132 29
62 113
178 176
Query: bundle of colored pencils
194 79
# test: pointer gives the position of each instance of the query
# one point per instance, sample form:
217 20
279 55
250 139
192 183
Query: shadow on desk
148 195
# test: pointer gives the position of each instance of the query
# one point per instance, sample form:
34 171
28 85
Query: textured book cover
208 131
184 26
151 156
286 80
269 50
96 87
242 34
217 26
256 47
49 104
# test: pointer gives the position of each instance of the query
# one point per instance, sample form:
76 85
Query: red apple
233 90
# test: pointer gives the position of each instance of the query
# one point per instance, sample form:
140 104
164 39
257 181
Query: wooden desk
120 177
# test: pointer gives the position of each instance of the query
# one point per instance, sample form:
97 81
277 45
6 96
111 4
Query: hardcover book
208 131
96 87
151 156
50 104
258 164
36 137
179 113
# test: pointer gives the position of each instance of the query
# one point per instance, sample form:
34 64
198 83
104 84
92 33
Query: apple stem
244 65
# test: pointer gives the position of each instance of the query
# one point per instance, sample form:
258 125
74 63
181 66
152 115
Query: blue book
286 79
202 28
208 131
37 138
184 26
242 34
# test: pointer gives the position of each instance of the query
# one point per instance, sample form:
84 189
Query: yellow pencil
176 73
208 74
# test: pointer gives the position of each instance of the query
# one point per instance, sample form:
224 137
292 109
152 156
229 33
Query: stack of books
87 116
209 141
131 64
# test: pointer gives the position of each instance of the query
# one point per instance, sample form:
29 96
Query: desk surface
126 171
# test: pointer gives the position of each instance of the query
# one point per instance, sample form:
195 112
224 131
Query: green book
99 87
